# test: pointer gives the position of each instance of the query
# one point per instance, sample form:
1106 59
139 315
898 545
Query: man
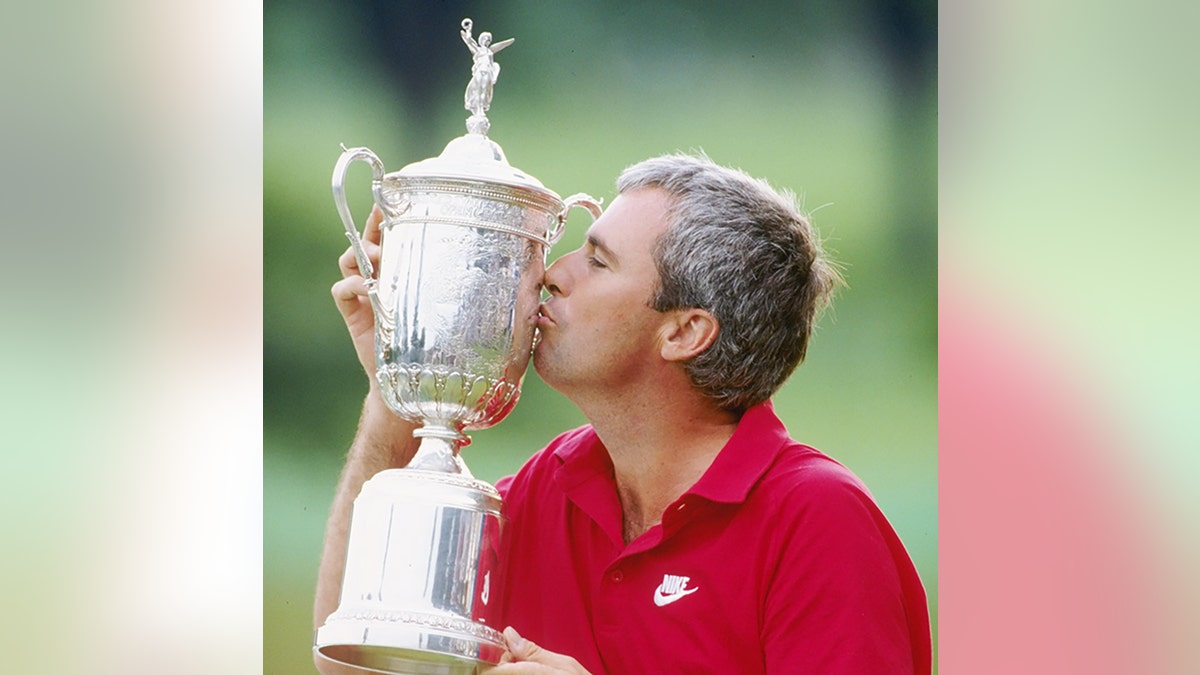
682 530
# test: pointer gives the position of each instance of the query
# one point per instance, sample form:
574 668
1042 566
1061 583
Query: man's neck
659 449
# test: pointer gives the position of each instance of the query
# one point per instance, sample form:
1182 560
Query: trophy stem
439 450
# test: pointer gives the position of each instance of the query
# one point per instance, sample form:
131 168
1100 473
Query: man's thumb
521 648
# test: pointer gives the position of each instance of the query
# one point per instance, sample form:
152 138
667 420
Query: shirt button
617 576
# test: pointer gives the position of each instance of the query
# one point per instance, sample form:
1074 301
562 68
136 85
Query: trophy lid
474 156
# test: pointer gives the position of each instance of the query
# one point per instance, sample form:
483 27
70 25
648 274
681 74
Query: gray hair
742 251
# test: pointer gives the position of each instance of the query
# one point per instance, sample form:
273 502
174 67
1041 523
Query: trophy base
419 576
384 647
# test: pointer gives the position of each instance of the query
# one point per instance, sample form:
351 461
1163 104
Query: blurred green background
835 102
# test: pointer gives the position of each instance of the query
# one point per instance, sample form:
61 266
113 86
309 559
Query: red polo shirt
776 561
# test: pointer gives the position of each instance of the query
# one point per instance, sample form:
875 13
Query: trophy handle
339 198
578 199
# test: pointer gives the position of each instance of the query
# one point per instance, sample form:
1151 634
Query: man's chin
541 363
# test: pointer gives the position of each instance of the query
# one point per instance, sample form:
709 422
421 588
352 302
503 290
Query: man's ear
687 333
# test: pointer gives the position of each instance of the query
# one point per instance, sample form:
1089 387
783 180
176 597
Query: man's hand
350 294
525 657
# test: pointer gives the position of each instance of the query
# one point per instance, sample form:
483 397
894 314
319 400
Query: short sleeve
841 598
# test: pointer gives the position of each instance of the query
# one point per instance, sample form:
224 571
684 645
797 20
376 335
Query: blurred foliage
836 102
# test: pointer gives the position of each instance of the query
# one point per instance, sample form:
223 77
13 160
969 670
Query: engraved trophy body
464 244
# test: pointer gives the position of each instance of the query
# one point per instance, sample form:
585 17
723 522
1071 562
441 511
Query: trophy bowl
464 243
463 253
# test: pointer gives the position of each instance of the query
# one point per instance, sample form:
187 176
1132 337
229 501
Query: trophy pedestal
419 577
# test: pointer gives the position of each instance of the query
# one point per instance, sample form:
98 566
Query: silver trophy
464 244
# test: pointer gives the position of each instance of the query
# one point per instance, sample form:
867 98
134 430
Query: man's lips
544 318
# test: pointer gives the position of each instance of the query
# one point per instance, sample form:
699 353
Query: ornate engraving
419 389
480 223
449 624
500 193
458 480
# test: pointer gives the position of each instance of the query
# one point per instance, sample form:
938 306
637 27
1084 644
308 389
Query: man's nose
556 276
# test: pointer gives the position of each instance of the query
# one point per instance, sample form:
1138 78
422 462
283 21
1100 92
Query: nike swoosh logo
662 599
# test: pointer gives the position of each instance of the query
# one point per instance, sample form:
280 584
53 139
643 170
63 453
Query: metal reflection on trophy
464 243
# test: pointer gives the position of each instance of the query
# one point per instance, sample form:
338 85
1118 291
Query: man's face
597 330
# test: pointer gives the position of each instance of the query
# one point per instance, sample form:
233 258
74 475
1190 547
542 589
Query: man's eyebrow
605 250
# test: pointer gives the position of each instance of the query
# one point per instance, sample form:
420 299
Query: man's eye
595 262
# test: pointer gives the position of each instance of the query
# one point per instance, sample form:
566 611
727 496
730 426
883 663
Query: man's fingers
348 262
348 291
526 653
371 231
511 664
519 647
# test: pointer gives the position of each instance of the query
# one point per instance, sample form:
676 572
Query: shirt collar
757 441
582 457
